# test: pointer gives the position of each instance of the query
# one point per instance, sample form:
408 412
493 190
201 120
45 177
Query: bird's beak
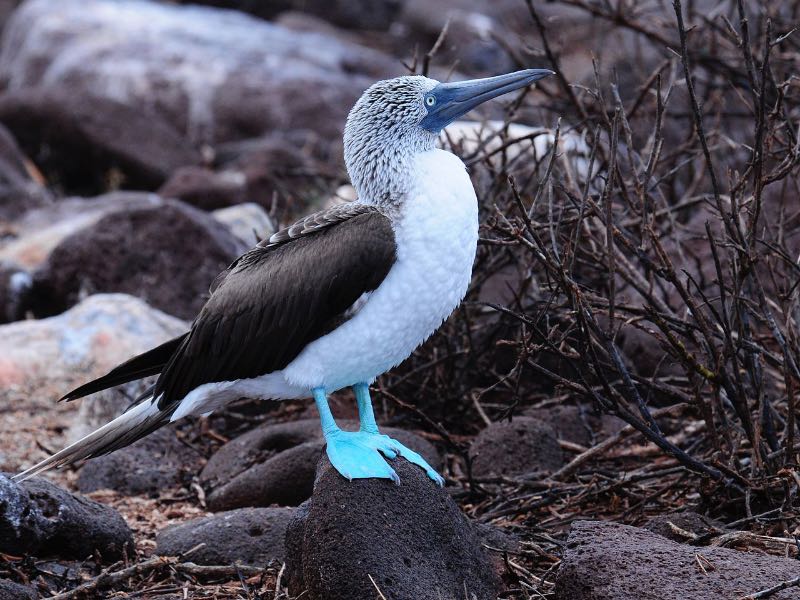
451 100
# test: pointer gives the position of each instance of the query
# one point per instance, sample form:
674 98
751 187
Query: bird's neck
383 173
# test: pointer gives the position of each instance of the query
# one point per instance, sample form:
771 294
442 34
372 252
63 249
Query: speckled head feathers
382 135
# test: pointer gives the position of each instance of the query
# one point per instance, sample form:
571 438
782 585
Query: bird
337 298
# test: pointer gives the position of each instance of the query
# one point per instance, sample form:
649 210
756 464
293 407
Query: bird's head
397 118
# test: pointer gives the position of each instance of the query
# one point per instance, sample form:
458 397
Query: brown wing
279 297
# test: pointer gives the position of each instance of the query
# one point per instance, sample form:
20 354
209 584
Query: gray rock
526 445
608 561
250 536
215 75
276 464
249 222
14 591
39 518
149 467
145 252
410 538
84 142
49 356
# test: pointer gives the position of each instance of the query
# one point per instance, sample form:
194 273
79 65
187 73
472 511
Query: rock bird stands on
337 298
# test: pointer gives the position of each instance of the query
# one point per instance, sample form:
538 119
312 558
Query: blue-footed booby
336 299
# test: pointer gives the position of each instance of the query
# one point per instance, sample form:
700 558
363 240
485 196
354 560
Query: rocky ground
614 408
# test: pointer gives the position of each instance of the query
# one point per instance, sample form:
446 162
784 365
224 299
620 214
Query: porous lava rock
14 591
167 254
408 540
688 521
151 466
524 445
276 464
609 561
39 518
250 536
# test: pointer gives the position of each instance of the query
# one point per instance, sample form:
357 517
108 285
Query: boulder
282 165
15 287
31 237
14 591
609 561
575 423
167 254
214 75
408 541
525 445
276 464
42 360
49 356
248 222
39 518
250 536
206 189
149 467
88 144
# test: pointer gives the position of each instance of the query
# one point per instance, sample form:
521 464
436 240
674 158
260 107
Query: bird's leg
369 427
355 454
366 417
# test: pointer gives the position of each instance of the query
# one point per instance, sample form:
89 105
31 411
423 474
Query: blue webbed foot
357 455
360 454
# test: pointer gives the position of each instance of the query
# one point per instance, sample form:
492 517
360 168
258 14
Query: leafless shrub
651 257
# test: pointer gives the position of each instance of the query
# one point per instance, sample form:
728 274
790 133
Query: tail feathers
151 362
132 425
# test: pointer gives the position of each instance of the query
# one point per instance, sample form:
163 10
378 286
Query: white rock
248 221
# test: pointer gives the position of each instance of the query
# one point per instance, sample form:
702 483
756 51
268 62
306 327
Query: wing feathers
281 296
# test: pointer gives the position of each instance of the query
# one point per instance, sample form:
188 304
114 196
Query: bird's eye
430 100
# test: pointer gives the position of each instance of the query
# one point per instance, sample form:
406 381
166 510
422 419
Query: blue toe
353 454
359 455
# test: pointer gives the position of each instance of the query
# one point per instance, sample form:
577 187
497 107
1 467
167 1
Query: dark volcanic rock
410 538
608 561
39 518
14 591
279 163
523 446
688 521
167 255
15 287
276 464
205 188
351 14
148 467
251 536
19 193
87 143
215 75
